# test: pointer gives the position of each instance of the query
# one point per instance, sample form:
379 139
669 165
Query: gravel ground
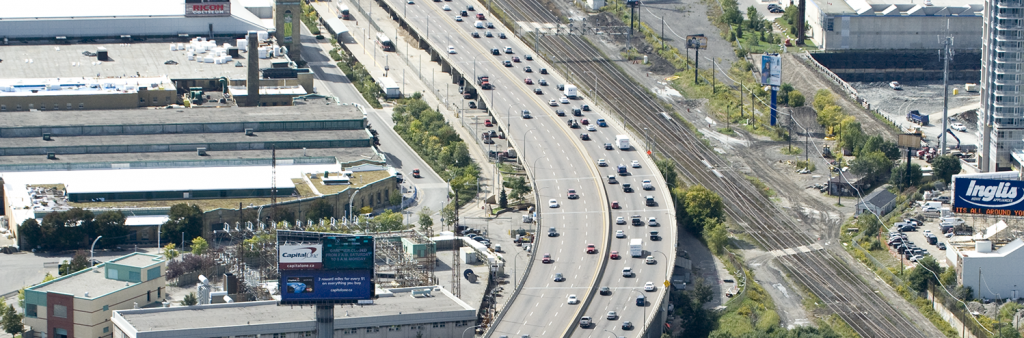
925 97
689 17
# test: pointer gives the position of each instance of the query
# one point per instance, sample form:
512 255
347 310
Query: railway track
832 280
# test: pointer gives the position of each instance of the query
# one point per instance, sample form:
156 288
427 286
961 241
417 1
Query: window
153 273
31 106
829 23
3 107
106 308
31 311
148 295
81 106
106 329
112 274
42 106
56 106
60 311
69 106
142 100
19 107
134 276
156 100
158 289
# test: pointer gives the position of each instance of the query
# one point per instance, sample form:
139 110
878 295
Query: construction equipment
916 117
954 136
826 152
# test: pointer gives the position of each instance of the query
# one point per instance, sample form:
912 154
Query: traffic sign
667 284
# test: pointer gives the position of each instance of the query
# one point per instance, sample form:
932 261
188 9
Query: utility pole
663 33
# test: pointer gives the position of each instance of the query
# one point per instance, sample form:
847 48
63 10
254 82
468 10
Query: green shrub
796 99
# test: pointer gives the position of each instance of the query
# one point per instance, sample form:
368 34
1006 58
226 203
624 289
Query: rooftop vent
248 131
201 151
46 137
51 156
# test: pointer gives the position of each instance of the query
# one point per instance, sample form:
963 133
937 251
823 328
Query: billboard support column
696 64
325 321
775 92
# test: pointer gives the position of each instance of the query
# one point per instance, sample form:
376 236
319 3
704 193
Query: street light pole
92 247
515 268
467 329
645 310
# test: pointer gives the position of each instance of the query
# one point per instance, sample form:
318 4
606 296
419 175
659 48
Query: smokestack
800 29
252 83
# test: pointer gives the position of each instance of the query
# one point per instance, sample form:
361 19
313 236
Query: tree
716 236
831 116
796 99
448 215
823 98
668 171
754 18
518 186
873 165
30 233
899 176
425 221
851 137
199 246
48 277
169 251
320 209
190 299
703 206
503 200
922 274
784 90
183 218
387 221
12 321
111 225
79 262
395 197
945 167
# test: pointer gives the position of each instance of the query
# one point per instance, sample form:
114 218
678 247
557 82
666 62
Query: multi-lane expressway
558 160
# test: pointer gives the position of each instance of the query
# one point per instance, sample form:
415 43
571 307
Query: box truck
636 247
622 141
570 91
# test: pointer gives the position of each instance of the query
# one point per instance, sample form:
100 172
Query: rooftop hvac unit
248 131
51 156
46 137
101 54
201 151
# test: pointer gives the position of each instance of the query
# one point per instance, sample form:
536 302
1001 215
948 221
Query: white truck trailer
636 247
622 141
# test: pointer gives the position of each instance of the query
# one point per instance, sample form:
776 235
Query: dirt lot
925 97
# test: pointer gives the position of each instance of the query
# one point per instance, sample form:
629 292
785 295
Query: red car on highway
614 255
591 249
615 204
547 259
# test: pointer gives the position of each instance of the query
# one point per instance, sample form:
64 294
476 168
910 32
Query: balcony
1010 15
1009 48
1009 3
1010 26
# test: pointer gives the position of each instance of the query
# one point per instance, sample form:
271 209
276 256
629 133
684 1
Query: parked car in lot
958 126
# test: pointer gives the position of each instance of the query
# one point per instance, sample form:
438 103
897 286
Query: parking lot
917 237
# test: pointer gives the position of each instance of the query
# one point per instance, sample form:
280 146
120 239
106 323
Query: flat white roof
81 85
136 221
167 179
79 8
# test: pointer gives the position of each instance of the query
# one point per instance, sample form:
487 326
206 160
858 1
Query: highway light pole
93 247
515 268
645 310
467 329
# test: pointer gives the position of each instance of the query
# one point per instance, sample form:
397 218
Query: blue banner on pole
775 92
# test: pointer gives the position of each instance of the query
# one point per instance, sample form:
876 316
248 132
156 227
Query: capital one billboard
988 197
300 257
208 9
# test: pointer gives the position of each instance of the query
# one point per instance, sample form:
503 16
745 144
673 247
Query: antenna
946 54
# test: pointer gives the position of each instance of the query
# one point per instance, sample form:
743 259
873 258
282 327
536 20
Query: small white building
992 273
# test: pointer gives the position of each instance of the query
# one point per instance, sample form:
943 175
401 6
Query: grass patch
805 165
791 150
360 78
359 179
762 188
727 131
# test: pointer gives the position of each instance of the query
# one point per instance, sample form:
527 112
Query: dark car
488 34
626 187
469 8
627 325
494 51
538 91
543 70
475 34
490 25
515 59
585 107
529 57
501 35
464 13
472 105
560 112
508 63
608 146
543 82
942 246
528 69
605 291
585 136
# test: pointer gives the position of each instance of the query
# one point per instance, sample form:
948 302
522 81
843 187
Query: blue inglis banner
988 197
310 286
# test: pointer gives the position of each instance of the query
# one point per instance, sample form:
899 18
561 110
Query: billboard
696 42
988 197
300 257
310 286
771 70
324 268
208 8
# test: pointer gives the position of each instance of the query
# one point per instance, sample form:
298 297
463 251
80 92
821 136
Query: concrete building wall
143 98
92 317
1001 118
107 27
993 277
852 31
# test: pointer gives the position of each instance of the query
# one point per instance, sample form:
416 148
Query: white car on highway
552 203
620 220
564 100
620 233
573 300
447 8
958 126
635 164
649 286
602 163
451 49
590 127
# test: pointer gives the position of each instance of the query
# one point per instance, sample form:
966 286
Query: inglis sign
208 9
301 257
988 197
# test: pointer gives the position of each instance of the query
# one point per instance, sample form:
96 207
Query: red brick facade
53 322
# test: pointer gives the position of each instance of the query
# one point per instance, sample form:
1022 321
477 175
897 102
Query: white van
931 206
479 24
